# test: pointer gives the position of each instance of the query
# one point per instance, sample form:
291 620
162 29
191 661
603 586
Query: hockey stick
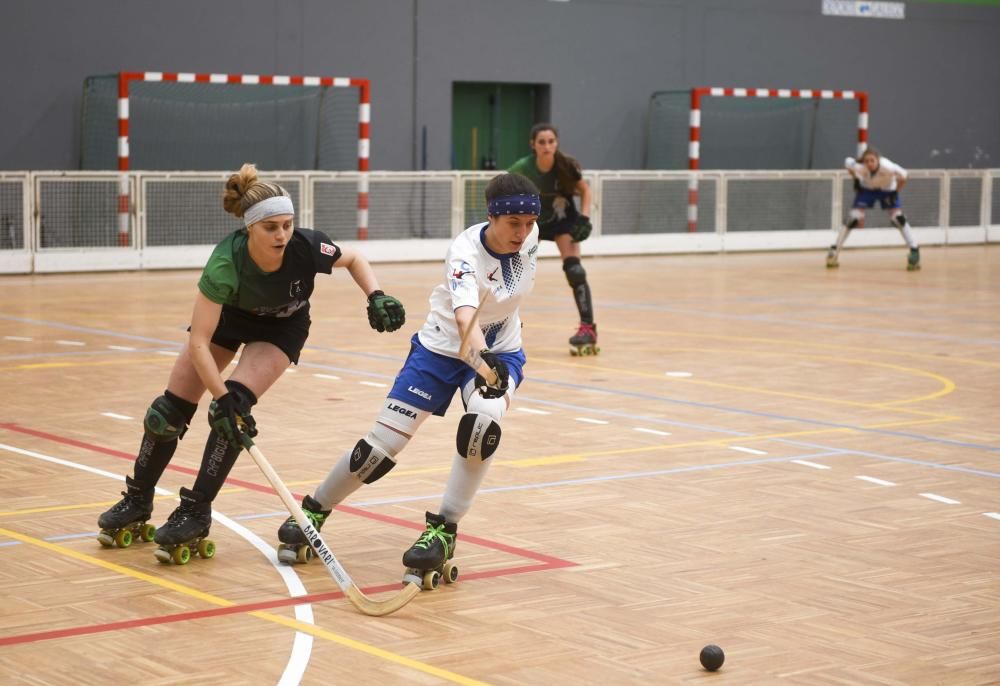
470 356
374 608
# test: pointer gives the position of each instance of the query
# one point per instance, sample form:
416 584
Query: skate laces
586 329
433 533
317 518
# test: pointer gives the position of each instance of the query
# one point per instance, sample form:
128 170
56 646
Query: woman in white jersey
876 179
494 259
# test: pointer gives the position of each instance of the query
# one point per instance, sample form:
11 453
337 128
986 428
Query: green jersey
548 185
233 280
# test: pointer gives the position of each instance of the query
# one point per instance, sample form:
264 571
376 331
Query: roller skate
128 519
429 559
185 532
831 258
294 546
584 341
913 260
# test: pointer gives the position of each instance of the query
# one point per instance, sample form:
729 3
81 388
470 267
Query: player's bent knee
852 224
478 436
575 273
899 219
369 462
165 421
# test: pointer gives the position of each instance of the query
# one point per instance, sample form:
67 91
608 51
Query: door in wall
490 122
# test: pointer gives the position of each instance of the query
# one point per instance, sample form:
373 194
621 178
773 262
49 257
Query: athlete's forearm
583 188
476 340
360 270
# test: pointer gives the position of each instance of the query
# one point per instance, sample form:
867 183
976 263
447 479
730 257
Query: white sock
907 232
463 483
338 484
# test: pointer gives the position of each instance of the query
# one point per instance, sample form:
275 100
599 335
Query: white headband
281 204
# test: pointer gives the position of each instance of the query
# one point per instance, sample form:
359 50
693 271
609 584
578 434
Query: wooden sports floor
796 464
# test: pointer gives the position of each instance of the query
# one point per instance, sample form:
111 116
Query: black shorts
289 334
547 231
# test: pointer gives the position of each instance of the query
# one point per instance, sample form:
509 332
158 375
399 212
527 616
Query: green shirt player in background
559 178
254 292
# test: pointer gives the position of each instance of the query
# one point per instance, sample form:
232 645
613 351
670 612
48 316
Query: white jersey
472 269
884 178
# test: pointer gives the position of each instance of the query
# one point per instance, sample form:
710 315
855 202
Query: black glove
385 313
499 368
230 416
857 185
581 228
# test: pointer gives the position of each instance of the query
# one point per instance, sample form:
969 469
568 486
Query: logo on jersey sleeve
464 269
492 275
296 289
327 249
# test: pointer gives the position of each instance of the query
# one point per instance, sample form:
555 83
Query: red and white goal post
364 125
694 144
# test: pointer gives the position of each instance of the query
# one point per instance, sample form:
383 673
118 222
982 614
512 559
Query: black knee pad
478 436
242 391
369 462
852 224
168 417
575 273
899 220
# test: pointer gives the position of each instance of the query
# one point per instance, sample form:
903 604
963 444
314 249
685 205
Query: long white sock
841 237
907 232
338 484
466 476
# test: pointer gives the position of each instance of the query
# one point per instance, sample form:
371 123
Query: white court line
18 338
290 370
327 376
172 353
64 342
375 384
531 410
992 515
588 420
814 465
752 451
651 431
115 415
679 375
298 660
872 479
941 499
126 348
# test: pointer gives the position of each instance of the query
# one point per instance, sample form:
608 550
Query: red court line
475 540
243 608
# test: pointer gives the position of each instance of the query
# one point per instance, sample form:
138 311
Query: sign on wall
860 8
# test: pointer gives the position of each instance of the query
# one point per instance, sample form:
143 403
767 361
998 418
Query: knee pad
575 273
853 223
478 436
899 220
374 455
168 417
242 391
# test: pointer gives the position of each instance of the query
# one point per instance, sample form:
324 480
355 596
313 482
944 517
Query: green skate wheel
206 548
304 554
449 572
147 532
181 555
105 539
162 554
123 539
431 580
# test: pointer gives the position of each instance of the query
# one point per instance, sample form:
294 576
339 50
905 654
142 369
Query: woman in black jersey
254 292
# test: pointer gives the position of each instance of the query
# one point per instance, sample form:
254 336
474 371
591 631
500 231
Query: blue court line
893 458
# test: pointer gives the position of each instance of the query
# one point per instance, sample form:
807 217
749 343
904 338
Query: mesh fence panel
752 133
202 126
12 215
778 204
654 206
189 212
415 208
78 213
964 202
921 201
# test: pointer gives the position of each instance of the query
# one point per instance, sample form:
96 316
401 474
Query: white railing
68 221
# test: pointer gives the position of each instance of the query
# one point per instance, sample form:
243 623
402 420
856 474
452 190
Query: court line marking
814 465
752 451
260 614
874 480
940 498
655 432
531 410
115 415
65 342
992 515
588 420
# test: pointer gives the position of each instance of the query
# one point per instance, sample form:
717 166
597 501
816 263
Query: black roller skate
186 528
429 559
831 258
584 341
128 519
294 546
913 260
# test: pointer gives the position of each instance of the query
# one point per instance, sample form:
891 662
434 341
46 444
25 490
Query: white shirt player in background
876 179
493 264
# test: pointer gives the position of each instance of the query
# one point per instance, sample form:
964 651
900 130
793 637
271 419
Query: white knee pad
856 213
374 455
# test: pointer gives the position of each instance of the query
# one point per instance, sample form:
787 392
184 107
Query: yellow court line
735 387
97 363
786 341
222 602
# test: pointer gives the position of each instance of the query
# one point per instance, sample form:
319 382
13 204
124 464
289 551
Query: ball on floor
712 657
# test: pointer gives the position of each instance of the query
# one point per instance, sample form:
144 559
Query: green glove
385 313
581 228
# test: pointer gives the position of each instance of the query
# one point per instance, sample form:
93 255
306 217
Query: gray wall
934 78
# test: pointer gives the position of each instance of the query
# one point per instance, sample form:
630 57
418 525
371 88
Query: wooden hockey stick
374 608
470 356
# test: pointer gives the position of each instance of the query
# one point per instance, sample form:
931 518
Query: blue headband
515 204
